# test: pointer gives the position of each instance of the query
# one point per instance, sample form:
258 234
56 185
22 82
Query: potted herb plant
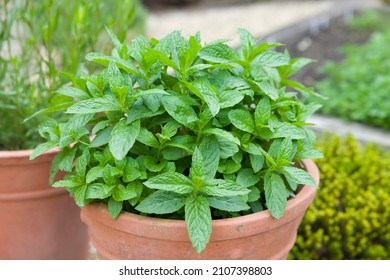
38 39
189 151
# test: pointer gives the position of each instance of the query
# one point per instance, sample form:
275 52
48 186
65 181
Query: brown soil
323 46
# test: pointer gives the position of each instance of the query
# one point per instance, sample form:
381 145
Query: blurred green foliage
42 40
371 20
358 88
350 216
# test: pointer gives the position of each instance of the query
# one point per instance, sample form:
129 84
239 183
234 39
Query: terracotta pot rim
22 157
35 195
99 213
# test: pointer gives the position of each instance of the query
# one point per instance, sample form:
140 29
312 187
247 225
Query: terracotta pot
255 236
36 220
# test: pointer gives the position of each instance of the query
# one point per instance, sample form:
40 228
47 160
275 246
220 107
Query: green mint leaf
122 138
256 206
114 39
102 137
161 202
152 101
283 130
185 142
218 53
268 89
95 105
66 159
82 163
130 174
262 112
147 138
301 88
198 221
43 148
122 193
297 64
170 129
138 187
219 187
73 92
222 133
153 165
257 162
275 194
203 89
263 47
79 195
226 148
179 110
70 182
94 173
247 42
209 148
298 175
271 59
246 178
229 98
99 191
231 204
286 151
105 60
139 111
228 167
156 92
114 76
254 194
99 126
171 181
242 119
138 47
252 148
198 164
114 207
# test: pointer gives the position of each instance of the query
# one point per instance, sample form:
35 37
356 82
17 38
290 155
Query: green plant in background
358 88
181 129
349 218
371 20
41 39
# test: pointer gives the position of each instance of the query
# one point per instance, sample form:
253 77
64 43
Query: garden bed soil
323 44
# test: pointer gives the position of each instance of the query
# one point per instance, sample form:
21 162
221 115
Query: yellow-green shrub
350 216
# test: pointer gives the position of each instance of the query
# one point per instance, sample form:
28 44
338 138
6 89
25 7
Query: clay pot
255 236
36 220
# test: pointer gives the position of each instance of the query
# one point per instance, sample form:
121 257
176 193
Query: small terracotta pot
36 220
255 236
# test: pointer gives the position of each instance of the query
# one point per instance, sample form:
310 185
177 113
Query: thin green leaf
171 181
161 202
198 221
275 194
114 207
231 204
219 187
95 105
298 175
242 119
122 138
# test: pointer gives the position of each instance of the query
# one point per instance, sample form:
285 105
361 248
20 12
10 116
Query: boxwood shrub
350 215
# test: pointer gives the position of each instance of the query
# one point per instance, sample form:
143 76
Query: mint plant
176 129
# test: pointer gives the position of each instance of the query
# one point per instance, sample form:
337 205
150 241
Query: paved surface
363 133
260 18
